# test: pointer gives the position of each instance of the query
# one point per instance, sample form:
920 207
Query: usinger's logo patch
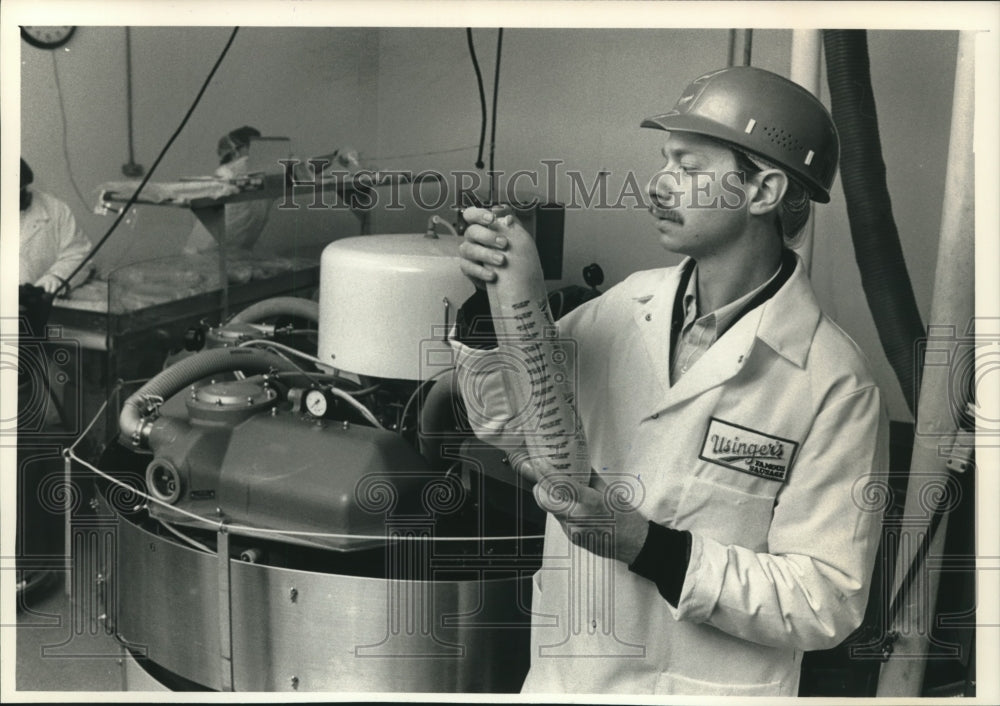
747 450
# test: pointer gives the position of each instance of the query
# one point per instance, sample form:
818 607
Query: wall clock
47 37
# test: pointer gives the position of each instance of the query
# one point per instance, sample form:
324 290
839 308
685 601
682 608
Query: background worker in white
744 420
52 244
245 220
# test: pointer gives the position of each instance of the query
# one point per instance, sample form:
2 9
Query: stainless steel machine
322 520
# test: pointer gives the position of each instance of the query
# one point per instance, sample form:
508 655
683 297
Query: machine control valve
194 338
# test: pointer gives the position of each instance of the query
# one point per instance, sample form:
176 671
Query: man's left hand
593 516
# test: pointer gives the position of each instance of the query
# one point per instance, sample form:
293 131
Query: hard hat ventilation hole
783 139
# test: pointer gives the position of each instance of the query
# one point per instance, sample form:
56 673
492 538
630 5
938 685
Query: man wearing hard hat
746 426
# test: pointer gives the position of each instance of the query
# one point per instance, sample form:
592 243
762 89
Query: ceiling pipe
807 51
941 445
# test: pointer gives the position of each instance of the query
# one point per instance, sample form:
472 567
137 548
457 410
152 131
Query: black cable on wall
482 97
156 163
493 117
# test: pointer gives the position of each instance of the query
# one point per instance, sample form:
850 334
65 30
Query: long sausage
529 346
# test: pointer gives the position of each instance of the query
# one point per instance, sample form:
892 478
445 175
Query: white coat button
649 317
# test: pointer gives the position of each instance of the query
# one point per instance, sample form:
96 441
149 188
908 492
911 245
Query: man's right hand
50 283
481 249
496 239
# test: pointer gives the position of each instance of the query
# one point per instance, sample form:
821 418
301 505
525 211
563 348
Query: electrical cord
65 130
432 153
189 540
425 384
128 95
317 378
135 195
364 411
282 347
482 97
493 117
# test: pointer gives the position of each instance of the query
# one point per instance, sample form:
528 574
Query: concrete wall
576 96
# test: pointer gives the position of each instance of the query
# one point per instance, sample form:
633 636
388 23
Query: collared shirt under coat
698 333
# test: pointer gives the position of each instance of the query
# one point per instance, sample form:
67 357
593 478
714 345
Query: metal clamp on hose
140 435
134 423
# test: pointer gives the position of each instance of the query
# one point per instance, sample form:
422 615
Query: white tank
387 302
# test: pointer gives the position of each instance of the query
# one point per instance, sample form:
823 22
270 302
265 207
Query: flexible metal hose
287 306
862 172
172 380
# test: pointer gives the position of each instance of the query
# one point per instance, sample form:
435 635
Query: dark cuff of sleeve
474 322
664 559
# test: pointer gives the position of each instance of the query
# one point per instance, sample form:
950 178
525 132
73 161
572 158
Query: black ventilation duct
869 209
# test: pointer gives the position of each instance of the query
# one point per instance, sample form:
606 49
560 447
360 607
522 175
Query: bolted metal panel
168 604
325 632
467 631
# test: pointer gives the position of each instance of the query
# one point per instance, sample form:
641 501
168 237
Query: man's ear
771 185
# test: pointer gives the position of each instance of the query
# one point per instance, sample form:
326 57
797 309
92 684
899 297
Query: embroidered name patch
746 450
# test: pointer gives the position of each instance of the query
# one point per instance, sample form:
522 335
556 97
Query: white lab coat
244 220
777 566
51 241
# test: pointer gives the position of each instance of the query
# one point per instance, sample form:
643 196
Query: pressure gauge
317 403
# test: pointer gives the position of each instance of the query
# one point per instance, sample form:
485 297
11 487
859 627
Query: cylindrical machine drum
277 629
386 302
